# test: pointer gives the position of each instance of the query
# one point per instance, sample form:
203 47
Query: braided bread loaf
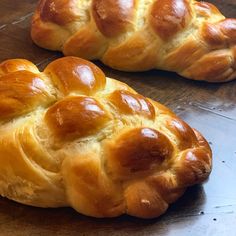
69 136
188 37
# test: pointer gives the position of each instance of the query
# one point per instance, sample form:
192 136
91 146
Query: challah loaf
185 36
69 136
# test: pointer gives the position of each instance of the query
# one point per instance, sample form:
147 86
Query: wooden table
209 209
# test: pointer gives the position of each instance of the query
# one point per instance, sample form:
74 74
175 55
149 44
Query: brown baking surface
209 209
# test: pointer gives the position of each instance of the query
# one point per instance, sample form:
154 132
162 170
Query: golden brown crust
138 150
96 195
234 54
167 186
112 16
76 75
20 92
140 47
131 104
221 34
72 137
76 117
46 35
144 201
174 35
59 12
213 36
206 9
193 166
214 67
183 132
167 17
14 65
86 43
228 28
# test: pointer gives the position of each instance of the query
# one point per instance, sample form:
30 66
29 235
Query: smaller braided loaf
185 36
69 136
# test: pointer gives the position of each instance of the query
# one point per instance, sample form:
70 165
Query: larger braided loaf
191 38
69 136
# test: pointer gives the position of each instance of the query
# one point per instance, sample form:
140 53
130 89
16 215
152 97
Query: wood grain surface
208 209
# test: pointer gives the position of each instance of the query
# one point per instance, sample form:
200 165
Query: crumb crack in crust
70 136
191 38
